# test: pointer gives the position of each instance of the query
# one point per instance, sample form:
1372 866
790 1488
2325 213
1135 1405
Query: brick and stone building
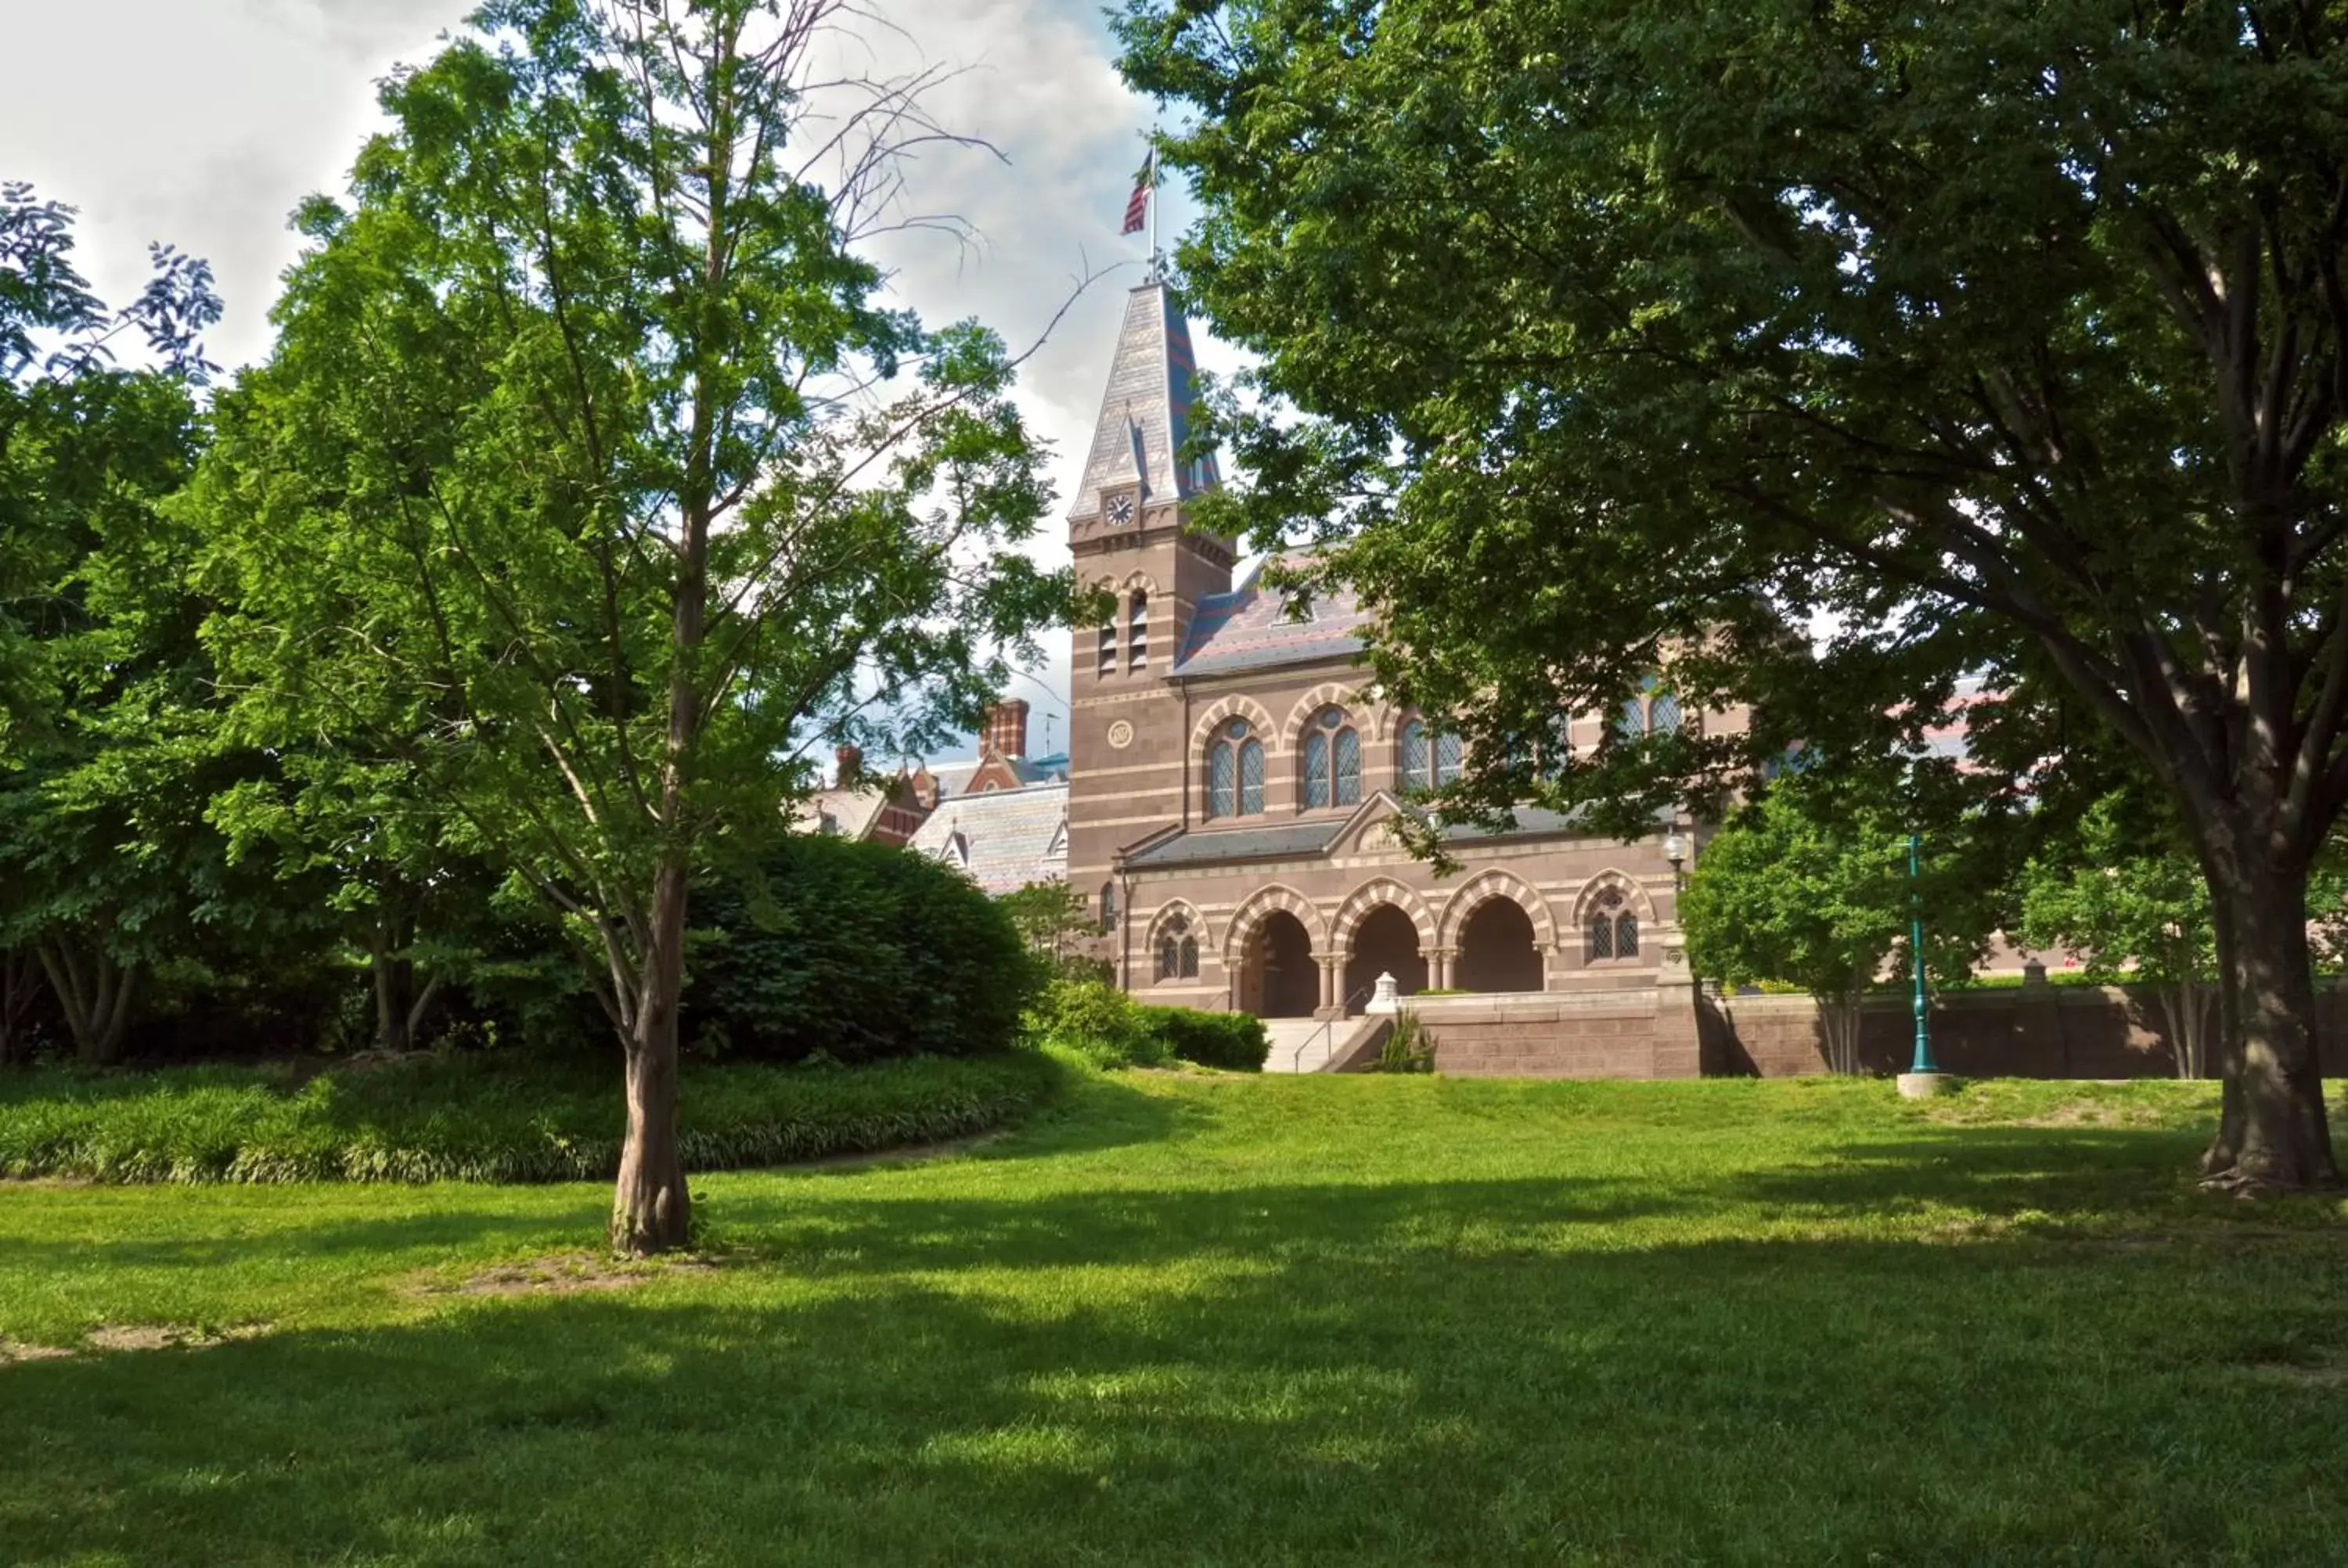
1232 775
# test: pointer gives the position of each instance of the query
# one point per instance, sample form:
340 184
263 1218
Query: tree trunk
20 981
2186 1002
650 1210
401 1005
94 992
2227 1141
1839 1020
2273 1133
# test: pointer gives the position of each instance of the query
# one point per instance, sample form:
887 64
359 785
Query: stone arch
1235 706
1496 883
1641 905
1242 926
1170 908
1140 579
1369 896
1328 694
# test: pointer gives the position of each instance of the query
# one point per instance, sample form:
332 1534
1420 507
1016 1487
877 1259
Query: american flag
1137 206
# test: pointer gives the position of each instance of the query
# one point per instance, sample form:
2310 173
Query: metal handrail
1345 1012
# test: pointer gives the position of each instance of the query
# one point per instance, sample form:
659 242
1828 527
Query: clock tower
1127 531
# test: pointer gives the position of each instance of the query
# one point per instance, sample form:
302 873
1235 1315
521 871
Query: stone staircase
1311 1045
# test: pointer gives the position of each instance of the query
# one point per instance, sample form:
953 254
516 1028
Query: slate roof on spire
1254 627
1145 413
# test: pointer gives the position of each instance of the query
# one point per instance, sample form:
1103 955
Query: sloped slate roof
1289 840
1251 628
1004 838
1145 413
850 811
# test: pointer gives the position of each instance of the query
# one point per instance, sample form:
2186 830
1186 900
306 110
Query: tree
2134 908
1809 884
1631 335
575 484
106 718
1058 930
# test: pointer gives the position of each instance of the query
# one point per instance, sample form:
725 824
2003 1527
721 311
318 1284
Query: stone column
1333 977
1439 968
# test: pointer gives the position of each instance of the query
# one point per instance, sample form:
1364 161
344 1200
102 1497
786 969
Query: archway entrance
1386 942
1278 978
1496 951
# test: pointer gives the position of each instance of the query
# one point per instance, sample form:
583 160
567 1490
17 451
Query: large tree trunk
2273 1132
95 993
650 1210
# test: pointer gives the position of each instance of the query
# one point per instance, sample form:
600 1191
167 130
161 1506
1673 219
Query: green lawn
1190 1319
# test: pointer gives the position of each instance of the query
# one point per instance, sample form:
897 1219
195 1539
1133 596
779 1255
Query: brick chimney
1006 729
850 769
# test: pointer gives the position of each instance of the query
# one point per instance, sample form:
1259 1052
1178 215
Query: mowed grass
1232 1320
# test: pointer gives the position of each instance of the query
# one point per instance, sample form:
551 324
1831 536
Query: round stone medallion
1120 735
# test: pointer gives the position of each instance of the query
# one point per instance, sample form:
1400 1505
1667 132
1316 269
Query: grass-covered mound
483 1118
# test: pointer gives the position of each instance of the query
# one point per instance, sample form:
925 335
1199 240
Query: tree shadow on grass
1139 1377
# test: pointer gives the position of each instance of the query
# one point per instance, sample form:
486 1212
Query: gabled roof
850 812
1145 413
1251 628
1004 838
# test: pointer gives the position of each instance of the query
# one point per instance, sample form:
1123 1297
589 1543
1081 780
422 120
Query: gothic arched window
1137 633
1631 721
1612 930
1108 907
1332 760
1664 715
1428 760
1234 771
1178 950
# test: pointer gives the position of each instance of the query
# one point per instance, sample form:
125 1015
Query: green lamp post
1923 1063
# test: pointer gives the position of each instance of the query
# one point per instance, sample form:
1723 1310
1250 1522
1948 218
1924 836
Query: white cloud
216 117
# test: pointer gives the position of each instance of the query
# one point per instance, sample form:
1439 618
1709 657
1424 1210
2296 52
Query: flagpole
1156 274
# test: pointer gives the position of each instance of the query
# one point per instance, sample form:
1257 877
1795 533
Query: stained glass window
1316 769
1664 715
1250 778
1626 935
1632 721
1349 767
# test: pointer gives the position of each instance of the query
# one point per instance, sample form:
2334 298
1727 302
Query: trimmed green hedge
1110 1030
1236 1042
476 1119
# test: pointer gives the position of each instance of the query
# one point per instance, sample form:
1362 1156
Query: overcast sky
203 122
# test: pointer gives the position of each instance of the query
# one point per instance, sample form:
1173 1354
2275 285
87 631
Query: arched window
1430 761
1630 722
1612 931
1137 633
1332 760
1664 715
1178 950
1108 907
1234 771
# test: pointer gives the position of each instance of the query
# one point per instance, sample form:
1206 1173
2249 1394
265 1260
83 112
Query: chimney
851 767
1006 729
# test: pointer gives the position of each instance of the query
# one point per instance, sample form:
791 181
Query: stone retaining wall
1666 1031
1555 1034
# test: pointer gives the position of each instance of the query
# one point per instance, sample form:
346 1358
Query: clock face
1120 510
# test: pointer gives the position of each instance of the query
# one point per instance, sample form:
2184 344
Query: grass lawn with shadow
1227 1320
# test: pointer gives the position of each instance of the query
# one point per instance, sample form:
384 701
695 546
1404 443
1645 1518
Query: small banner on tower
1137 206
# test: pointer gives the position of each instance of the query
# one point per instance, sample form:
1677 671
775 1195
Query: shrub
1408 1048
482 1119
1099 1023
858 951
1234 1041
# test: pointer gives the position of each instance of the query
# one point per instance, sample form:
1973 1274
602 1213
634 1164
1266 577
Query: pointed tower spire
1145 414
